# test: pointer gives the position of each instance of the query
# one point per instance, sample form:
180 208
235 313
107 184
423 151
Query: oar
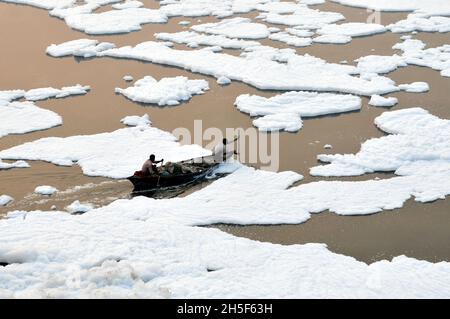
159 176
238 146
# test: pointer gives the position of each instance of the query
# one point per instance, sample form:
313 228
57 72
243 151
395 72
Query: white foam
117 154
377 100
7 96
311 2
281 7
284 112
333 39
223 80
18 164
304 17
291 39
232 199
167 91
79 208
124 256
274 29
189 37
416 22
219 9
416 87
128 4
64 12
302 33
418 145
289 122
380 64
44 4
242 28
430 7
414 53
352 29
82 47
45 190
46 93
5 200
115 21
297 73
26 117
135 120
305 104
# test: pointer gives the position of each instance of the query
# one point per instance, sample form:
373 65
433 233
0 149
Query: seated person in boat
149 167
222 152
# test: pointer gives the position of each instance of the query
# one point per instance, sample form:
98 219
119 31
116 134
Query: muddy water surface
417 230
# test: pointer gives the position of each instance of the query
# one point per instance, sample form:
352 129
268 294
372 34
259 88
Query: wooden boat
196 170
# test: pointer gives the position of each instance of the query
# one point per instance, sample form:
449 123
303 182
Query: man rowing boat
222 152
149 167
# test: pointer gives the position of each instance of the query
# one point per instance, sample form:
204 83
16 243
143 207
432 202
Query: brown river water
417 230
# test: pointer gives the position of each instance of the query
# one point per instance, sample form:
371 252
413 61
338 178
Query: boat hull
156 182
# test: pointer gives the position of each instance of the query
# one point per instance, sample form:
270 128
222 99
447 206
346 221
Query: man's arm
235 139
